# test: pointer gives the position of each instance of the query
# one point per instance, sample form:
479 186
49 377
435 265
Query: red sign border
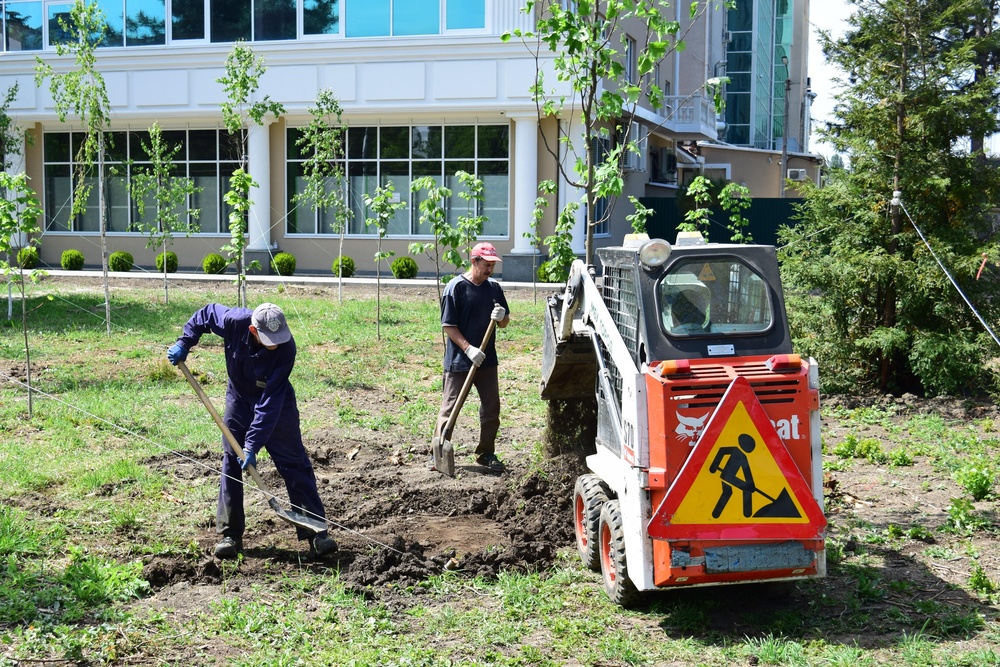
739 391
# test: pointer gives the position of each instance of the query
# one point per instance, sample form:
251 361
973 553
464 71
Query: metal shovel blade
444 456
296 518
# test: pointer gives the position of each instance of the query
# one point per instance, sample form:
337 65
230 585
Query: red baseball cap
486 251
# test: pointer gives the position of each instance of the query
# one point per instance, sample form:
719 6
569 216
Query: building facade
428 88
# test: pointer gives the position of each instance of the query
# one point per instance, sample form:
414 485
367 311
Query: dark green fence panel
764 216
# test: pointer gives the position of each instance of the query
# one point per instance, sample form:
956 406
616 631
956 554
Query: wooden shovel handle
462 395
230 438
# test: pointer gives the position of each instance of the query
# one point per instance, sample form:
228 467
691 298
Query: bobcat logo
689 428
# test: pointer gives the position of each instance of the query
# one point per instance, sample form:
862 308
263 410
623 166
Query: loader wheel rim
607 558
580 520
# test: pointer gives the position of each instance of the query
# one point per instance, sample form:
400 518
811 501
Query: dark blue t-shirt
468 306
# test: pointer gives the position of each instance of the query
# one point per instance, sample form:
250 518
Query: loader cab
690 288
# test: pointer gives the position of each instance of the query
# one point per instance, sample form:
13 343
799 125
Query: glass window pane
320 17
362 143
90 220
174 139
301 217
58 196
367 18
145 23
459 141
115 147
187 19
416 17
60 24
421 169
292 149
496 184
394 143
56 147
230 20
24 26
456 205
398 173
118 203
231 146
362 179
493 141
206 177
274 19
202 144
328 223
114 34
426 141
466 14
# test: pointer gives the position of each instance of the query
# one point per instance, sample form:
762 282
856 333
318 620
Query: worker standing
468 304
260 411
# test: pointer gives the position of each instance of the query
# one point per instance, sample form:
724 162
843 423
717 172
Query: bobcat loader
705 464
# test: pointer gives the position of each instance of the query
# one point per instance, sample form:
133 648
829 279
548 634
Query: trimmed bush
404 268
346 262
171 262
213 263
71 260
27 257
551 272
121 261
283 264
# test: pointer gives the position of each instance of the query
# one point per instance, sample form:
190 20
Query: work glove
249 459
475 355
498 313
177 353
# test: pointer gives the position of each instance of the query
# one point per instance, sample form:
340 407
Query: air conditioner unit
797 174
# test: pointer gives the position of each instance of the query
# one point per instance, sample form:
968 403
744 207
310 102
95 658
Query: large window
400 154
31 25
207 157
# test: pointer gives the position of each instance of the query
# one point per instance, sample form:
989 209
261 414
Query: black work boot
228 547
321 545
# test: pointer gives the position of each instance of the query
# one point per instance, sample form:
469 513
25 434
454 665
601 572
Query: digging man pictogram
735 473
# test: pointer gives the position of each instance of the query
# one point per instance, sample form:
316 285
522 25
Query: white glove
498 314
475 355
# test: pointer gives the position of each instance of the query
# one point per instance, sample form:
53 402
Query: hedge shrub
121 261
283 264
171 262
404 267
346 262
71 260
27 257
213 263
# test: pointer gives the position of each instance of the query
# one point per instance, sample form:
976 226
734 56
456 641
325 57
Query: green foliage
71 260
470 224
873 304
383 204
10 136
283 264
867 448
981 583
963 519
171 262
699 198
434 217
404 267
120 261
560 243
238 198
214 263
28 257
976 480
343 266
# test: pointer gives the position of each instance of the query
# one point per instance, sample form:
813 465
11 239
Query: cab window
714 296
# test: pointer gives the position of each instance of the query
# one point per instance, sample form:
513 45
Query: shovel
290 516
443 450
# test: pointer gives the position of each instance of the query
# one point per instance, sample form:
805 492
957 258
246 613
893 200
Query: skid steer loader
705 464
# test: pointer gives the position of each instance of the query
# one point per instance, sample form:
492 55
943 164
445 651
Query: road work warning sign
739 481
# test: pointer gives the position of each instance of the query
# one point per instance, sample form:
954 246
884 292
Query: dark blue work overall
261 413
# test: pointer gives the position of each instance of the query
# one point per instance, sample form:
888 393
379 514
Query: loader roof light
654 253
675 367
784 362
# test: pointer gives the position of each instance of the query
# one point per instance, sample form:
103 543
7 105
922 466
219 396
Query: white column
259 157
569 193
525 180
17 166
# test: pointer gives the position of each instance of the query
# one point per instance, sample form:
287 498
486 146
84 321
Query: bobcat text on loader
706 467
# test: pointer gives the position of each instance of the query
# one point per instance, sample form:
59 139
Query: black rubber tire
614 567
589 497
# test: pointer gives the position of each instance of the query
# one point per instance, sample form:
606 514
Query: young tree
383 204
471 223
159 185
435 217
703 195
10 146
241 81
322 142
872 302
590 48
19 213
82 93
